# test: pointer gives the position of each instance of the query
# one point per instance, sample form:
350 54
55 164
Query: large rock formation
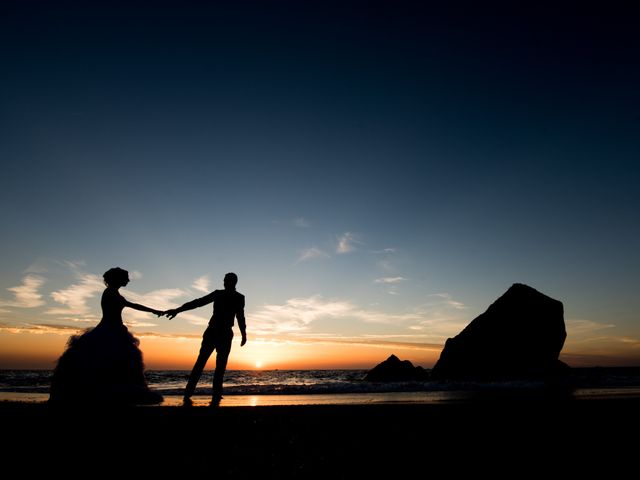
519 336
395 370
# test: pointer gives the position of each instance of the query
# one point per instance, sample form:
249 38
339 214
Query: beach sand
499 436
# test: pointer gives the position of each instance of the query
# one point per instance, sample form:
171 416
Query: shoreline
377 398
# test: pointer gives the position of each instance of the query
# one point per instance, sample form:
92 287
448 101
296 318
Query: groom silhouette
227 305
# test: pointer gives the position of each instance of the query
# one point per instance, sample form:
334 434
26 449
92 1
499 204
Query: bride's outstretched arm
142 308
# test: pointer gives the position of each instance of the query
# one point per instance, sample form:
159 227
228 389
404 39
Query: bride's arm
142 308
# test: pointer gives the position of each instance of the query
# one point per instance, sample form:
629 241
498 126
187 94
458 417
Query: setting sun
259 364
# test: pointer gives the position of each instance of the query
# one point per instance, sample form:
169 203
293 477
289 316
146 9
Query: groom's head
230 281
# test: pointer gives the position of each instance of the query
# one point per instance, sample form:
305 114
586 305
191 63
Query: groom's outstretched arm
198 302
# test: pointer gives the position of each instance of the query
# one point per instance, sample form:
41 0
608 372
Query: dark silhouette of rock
395 370
519 336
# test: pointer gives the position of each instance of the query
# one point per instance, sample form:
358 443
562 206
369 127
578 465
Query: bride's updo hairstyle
115 277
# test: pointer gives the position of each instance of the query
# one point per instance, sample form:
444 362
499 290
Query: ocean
278 387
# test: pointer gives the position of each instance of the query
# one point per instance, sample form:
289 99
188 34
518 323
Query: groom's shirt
227 305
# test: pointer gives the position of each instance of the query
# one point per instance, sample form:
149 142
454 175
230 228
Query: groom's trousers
214 338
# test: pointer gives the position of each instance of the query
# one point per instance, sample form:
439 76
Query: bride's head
116 277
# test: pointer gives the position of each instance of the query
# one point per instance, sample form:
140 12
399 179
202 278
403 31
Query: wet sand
375 398
502 436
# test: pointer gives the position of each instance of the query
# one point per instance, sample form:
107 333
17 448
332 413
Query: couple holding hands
105 364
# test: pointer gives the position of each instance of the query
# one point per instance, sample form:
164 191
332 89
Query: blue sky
389 170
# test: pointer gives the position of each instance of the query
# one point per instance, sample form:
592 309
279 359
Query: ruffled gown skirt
105 365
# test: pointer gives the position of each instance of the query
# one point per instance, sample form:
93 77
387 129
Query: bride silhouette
104 364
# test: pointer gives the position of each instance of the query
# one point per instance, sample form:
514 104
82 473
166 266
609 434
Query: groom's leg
223 347
206 349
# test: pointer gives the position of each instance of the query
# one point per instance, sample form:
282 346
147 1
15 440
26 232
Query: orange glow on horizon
260 354
40 351
24 350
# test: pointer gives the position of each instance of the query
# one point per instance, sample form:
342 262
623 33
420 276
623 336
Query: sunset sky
377 174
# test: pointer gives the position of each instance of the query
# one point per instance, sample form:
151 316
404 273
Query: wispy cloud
434 321
38 267
389 280
82 319
582 327
391 283
73 265
194 318
135 275
385 258
138 324
311 254
163 299
171 336
72 303
384 251
592 343
58 329
202 284
74 298
346 243
297 314
442 317
40 328
301 222
447 299
297 222
383 341
26 295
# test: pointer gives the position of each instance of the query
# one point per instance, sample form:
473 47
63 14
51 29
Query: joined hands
168 313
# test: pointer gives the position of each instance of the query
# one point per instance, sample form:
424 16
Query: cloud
202 284
74 265
193 319
26 295
384 341
40 328
386 251
311 254
301 222
346 243
389 280
162 299
297 314
135 275
72 302
37 267
74 298
433 322
447 299
386 265
44 328
585 327
137 324
80 319
385 258
172 336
